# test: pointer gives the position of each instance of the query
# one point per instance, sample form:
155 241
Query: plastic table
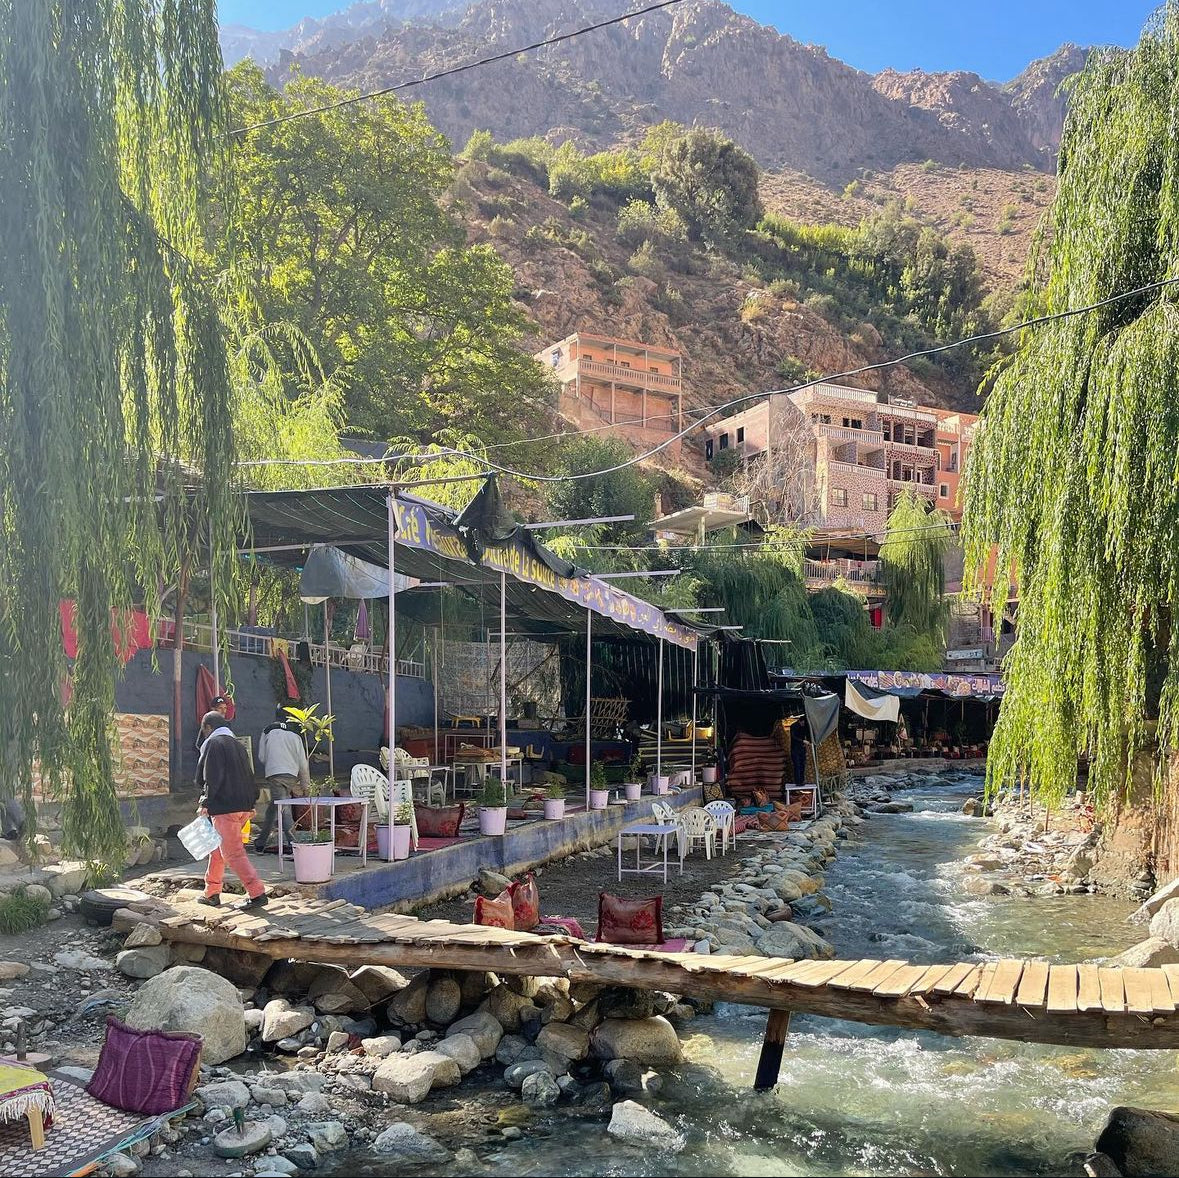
662 832
332 804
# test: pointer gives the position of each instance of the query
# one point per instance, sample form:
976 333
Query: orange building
608 381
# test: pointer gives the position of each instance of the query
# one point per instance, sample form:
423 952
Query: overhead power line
457 69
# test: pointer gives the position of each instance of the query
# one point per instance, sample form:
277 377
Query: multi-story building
608 381
859 450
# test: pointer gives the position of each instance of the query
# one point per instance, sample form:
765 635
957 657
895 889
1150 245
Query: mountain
791 105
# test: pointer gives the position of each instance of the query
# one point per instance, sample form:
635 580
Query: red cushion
439 822
630 922
525 903
497 913
145 1071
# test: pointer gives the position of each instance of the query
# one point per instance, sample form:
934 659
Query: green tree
912 566
623 492
710 182
342 233
1073 480
113 373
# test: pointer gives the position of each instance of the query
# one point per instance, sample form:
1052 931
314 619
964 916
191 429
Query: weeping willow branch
912 566
1074 480
113 374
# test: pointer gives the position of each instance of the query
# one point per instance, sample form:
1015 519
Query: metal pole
327 671
392 512
503 680
434 661
213 619
659 718
695 676
589 678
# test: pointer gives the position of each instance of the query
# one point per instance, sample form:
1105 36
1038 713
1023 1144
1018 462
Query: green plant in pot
401 830
314 854
493 807
633 786
599 793
316 728
554 800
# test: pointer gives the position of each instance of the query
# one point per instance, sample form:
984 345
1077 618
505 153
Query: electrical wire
714 410
447 73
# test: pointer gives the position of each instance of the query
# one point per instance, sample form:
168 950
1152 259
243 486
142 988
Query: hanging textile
206 691
871 703
363 629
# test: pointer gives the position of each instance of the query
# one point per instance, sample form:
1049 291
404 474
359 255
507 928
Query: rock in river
402 1141
186 998
1140 1141
629 1121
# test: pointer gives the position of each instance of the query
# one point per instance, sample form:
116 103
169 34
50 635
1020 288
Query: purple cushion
145 1071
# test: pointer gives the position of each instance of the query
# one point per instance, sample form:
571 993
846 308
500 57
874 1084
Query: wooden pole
659 717
503 682
769 1063
695 676
178 676
589 680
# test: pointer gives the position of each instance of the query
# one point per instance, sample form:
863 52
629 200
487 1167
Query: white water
856 1100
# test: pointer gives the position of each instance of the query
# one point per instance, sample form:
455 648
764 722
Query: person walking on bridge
228 796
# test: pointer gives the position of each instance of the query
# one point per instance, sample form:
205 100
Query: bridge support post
769 1064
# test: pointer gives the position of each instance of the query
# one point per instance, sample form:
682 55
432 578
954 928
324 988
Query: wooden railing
623 375
855 572
844 433
873 472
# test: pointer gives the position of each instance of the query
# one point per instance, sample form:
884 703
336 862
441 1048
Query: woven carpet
84 1132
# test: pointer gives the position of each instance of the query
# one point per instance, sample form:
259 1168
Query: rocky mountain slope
790 105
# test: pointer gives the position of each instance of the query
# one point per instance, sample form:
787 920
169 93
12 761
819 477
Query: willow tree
113 374
912 566
1074 480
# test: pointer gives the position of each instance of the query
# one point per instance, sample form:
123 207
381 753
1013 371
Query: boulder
143 935
463 1050
186 998
378 983
1165 922
405 1143
143 963
1139 1141
540 1090
10 970
629 1121
444 998
623 1002
506 1006
491 883
408 1007
304 1156
408 1079
332 992
381 1046
314 1104
281 1020
510 1049
254 1138
1152 951
291 977
648 1040
326 1136
564 1041
475 984
1153 903
228 1094
624 1076
262 1094
515 1075
484 1029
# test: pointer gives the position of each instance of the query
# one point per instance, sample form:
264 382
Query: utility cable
448 73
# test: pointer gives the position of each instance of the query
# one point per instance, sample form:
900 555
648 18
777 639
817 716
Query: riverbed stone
408 1006
381 1045
326 1136
281 1020
510 1049
306 1157
463 1050
1141 1142
483 1027
143 963
444 998
378 983
143 935
265 1094
186 998
254 1138
491 883
649 1040
1152 951
11 970
410 1146
517 1073
506 1006
540 1090
228 1094
563 1041
629 1121
1165 922
624 1076
408 1079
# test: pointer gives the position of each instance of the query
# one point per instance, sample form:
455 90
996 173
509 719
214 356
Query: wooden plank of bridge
967 986
900 982
1088 988
876 976
1033 984
956 976
1160 993
928 980
856 973
823 972
1139 999
1002 983
1062 989
1113 991
1171 973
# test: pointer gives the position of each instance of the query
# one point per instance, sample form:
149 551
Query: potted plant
384 849
493 807
554 801
599 794
708 774
660 783
401 830
313 852
633 787
316 728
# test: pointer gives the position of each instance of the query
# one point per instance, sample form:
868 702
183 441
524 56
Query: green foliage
494 794
724 463
341 233
912 565
640 222
646 263
622 492
597 775
20 912
1073 477
113 371
710 182
316 727
555 790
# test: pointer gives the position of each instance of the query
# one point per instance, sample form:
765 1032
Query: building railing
359 657
620 374
838 392
896 443
904 413
844 433
873 472
919 484
855 572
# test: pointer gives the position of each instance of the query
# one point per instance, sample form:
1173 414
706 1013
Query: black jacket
224 777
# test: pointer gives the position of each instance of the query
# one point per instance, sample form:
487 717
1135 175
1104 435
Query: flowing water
858 1100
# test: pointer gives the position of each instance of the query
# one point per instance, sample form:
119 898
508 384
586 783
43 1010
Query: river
856 1100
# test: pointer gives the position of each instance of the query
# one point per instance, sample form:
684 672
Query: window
869 501
708 450
886 429
838 497
556 357
943 490
724 441
740 434
623 364
822 418
857 423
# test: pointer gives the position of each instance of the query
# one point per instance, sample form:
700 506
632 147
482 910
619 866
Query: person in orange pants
229 794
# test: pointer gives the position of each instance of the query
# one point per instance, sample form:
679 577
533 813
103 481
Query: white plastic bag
199 837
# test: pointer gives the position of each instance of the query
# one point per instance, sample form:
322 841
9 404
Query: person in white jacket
283 757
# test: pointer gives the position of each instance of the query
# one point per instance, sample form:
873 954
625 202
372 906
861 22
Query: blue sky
995 39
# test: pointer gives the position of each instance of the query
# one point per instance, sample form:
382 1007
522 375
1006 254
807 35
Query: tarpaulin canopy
911 683
331 572
870 703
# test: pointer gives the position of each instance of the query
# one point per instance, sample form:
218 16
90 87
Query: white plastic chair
725 815
667 814
698 825
371 786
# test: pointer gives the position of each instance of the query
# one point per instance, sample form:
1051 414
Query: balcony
859 574
920 448
840 433
606 370
872 472
904 413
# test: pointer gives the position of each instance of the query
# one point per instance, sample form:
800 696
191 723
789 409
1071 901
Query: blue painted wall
358 701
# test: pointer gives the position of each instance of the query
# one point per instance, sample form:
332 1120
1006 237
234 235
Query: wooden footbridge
1078 1005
